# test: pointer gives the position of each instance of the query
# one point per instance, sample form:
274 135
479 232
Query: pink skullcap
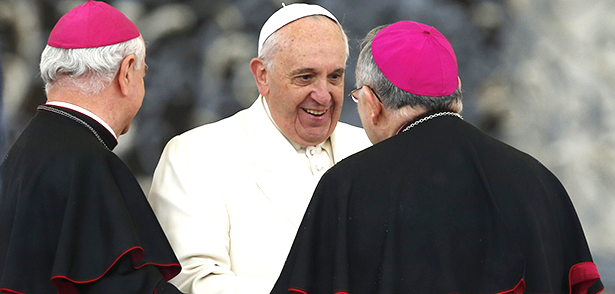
416 58
92 24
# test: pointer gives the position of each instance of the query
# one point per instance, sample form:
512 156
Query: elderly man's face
306 83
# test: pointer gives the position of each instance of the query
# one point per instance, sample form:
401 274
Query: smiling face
304 87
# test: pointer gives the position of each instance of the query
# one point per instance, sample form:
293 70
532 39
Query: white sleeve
186 197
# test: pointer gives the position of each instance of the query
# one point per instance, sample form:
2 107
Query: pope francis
230 195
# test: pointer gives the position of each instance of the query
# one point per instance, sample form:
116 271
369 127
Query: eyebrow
340 70
302 71
310 70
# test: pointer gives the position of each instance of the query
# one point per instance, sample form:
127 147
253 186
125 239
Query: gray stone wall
554 89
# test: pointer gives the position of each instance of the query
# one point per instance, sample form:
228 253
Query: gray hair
272 44
89 69
394 98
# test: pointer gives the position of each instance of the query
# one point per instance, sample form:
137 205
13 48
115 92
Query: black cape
73 219
441 208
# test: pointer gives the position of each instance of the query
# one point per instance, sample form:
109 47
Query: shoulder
348 139
223 126
502 159
211 135
219 144
489 146
345 129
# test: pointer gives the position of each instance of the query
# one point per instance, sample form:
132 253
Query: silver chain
66 114
412 125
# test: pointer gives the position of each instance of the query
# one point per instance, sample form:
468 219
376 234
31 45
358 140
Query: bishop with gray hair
73 218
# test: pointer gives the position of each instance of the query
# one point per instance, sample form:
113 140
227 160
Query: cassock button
318 167
312 151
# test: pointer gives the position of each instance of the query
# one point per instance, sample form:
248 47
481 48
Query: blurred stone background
539 75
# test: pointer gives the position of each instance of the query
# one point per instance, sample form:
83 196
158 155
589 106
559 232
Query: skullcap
416 58
92 24
288 14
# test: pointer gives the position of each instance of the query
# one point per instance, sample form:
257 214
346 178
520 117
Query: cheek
362 115
338 95
290 100
338 103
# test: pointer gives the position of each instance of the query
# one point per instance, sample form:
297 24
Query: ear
259 71
125 74
375 106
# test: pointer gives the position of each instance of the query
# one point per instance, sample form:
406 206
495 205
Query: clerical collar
425 117
84 111
101 133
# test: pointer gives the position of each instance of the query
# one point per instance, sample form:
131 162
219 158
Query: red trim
168 271
64 284
582 276
5 290
297 291
519 289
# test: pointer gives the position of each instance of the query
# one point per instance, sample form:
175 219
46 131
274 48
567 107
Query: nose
322 92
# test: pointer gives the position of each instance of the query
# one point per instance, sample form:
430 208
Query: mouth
315 112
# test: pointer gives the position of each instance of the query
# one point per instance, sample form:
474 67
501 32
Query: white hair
272 43
91 70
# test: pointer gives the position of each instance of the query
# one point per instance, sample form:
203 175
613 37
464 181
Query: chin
313 140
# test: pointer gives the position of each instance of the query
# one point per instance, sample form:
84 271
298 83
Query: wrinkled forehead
315 28
311 36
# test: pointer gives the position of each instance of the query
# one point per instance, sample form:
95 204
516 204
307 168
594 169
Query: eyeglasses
354 98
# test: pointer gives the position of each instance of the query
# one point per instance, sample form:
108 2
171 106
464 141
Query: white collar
83 111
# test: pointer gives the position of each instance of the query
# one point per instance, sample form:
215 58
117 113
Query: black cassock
441 208
73 219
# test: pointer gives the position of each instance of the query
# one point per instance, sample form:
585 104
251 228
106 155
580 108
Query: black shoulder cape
73 219
441 208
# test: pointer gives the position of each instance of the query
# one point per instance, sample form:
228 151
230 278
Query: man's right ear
259 71
125 75
375 106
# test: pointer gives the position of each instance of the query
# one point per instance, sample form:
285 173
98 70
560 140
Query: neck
405 115
425 117
98 104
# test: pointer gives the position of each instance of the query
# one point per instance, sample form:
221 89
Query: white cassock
230 196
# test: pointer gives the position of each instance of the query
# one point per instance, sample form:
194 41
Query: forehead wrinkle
307 31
